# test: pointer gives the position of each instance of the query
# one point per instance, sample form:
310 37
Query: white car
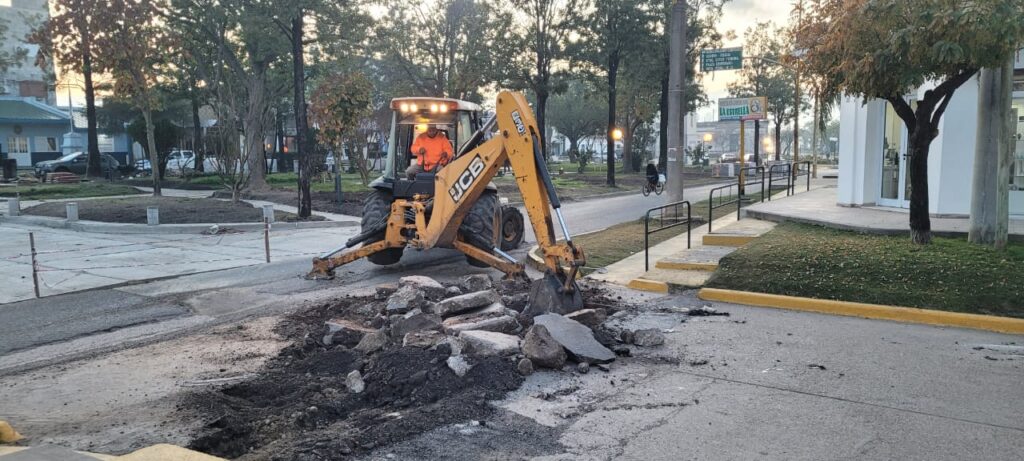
180 160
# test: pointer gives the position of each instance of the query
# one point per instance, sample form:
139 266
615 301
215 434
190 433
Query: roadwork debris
706 311
525 367
354 382
648 338
542 349
576 338
488 343
589 317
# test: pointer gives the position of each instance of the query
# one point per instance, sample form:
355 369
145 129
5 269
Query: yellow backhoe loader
456 206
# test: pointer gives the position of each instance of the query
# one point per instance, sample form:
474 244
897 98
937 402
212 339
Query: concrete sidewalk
72 261
819 207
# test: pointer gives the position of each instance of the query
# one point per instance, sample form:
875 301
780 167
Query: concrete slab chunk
431 288
576 338
465 303
490 343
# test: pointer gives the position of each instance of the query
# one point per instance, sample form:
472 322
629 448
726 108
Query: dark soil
298 408
352 202
173 210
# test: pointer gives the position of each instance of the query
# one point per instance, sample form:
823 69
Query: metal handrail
797 172
647 229
721 201
775 171
748 182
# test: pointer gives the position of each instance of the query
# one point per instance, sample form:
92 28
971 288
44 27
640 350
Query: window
46 144
17 145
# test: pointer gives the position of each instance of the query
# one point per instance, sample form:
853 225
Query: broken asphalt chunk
576 338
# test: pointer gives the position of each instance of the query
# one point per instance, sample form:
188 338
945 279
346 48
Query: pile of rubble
362 372
471 319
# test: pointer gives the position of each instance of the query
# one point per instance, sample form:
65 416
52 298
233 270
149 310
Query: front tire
376 210
479 226
646 190
512 229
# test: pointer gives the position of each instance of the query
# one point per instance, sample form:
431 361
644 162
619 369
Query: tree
165 136
639 96
615 31
292 25
883 49
10 57
342 106
238 31
545 34
447 48
576 114
67 39
133 46
766 45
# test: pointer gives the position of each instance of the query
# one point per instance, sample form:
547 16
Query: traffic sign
742 108
721 59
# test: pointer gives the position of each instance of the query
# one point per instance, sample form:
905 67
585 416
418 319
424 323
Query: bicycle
648 187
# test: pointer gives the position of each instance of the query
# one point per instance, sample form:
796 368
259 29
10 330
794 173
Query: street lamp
769 147
617 134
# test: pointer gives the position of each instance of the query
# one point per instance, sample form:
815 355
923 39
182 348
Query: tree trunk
574 149
94 169
154 158
301 122
992 92
613 68
255 119
542 104
676 106
198 147
920 222
778 142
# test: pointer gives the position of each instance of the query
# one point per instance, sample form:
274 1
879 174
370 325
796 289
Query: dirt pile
416 371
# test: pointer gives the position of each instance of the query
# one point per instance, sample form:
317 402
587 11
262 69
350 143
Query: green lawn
811 261
64 191
349 182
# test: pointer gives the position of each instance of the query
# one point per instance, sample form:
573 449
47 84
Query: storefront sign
742 108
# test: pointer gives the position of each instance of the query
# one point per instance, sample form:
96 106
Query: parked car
76 163
181 160
143 167
728 157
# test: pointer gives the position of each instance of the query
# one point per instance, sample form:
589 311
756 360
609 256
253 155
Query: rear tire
646 190
376 209
478 227
512 229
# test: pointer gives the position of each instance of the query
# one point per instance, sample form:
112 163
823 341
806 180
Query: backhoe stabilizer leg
323 268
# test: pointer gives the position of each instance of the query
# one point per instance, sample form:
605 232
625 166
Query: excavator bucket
550 295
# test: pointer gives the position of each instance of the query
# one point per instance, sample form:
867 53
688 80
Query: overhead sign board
754 108
721 59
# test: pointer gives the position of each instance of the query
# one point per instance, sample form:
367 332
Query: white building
25 80
873 170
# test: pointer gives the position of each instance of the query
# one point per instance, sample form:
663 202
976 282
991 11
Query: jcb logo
466 179
518 120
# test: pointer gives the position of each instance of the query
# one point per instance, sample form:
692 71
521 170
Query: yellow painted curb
683 266
870 311
165 452
648 285
726 240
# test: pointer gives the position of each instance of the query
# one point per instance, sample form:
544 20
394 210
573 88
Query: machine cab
457 120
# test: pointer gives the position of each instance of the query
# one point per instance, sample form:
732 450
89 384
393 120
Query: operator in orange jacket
432 150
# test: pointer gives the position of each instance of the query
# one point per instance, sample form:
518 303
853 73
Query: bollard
153 216
268 213
71 211
13 206
35 266
266 238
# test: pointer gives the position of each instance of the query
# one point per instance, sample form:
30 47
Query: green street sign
722 59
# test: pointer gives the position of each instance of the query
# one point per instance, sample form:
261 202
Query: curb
124 228
870 311
652 286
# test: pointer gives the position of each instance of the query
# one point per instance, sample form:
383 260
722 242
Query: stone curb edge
122 228
870 311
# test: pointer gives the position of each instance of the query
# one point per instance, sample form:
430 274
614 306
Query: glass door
895 174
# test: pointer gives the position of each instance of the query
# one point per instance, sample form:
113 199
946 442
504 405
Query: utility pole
676 104
987 189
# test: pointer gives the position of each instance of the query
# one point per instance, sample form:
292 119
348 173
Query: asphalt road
762 384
